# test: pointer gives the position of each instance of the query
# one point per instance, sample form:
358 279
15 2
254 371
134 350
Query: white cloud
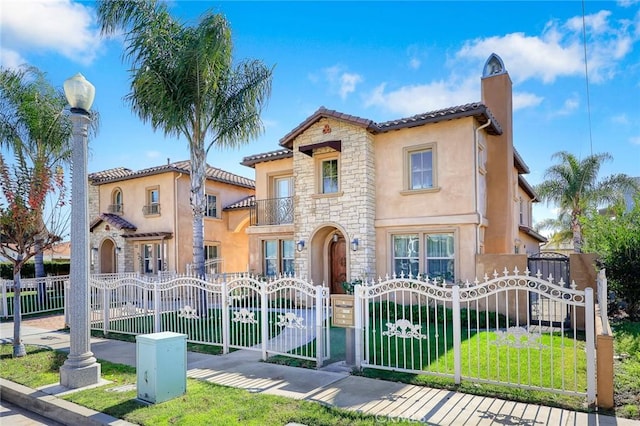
60 26
620 119
415 99
559 51
635 140
414 63
11 59
627 3
525 100
570 105
340 81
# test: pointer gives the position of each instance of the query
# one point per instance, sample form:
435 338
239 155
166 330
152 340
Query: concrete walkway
333 385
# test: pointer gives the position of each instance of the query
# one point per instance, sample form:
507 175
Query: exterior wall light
354 244
300 245
335 238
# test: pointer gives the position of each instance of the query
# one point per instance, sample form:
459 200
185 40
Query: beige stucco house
141 221
347 198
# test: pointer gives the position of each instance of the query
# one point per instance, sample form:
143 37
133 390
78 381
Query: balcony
273 211
151 209
115 208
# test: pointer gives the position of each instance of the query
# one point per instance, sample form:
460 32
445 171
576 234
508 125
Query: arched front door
338 262
107 257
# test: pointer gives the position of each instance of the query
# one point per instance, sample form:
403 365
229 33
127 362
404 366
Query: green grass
202 402
552 364
627 368
198 329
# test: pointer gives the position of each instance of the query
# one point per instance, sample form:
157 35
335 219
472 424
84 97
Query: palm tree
573 185
184 82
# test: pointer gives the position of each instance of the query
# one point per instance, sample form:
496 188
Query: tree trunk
577 235
18 347
38 261
198 205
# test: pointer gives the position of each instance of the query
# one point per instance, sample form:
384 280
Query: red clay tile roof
322 112
113 219
215 174
252 160
245 203
477 110
148 235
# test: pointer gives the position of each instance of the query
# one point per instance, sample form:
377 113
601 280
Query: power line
586 76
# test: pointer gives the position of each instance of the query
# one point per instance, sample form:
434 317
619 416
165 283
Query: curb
55 408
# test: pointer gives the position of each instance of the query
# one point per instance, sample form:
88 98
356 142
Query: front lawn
204 402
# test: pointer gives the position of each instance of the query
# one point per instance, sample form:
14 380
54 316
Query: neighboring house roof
477 110
252 160
113 219
245 203
532 233
60 250
213 173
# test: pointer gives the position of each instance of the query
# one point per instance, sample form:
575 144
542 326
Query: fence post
457 333
67 286
225 318
319 327
264 322
5 310
357 312
591 349
156 308
106 306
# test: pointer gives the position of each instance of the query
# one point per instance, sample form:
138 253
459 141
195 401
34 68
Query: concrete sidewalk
334 386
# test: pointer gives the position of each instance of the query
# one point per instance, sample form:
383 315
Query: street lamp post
80 368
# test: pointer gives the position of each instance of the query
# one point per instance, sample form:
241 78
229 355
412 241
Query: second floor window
421 172
212 209
153 202
329 176
116 202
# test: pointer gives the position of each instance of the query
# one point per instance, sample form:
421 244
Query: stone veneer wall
353 211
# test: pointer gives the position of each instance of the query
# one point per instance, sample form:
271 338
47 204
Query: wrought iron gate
554 267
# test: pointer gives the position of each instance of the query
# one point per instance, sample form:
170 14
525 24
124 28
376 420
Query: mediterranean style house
346 198
141 221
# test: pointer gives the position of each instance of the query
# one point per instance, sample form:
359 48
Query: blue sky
378 60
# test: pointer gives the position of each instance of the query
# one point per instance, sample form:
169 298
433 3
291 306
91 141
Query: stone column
80 369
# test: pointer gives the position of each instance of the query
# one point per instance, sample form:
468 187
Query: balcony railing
151 209
115 208
273 211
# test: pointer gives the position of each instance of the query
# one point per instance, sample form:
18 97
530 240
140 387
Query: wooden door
338 263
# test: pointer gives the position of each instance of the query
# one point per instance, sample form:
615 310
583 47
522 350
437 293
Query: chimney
501 180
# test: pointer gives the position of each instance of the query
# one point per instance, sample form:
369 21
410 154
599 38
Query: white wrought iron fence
286 315
481 331
37 295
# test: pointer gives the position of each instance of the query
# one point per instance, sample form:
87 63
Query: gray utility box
161 366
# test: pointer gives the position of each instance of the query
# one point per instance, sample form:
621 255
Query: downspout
175 219
475 178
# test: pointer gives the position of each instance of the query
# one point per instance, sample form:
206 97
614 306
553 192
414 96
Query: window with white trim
212 206
420 167
329 176
278 257
424 253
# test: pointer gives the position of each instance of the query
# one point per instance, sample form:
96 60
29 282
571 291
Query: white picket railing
481 331
38 295
280 316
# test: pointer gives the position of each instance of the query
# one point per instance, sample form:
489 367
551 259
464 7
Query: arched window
116 201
